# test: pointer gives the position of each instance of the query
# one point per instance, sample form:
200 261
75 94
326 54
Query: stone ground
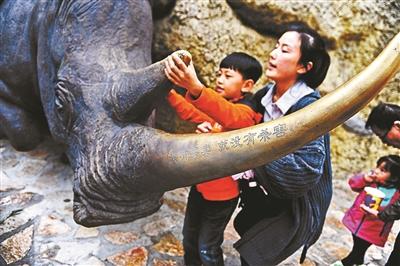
36 225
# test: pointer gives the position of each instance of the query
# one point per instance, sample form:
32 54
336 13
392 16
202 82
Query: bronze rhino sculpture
83 68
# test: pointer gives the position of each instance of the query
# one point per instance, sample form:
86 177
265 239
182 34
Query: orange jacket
185 110
211 107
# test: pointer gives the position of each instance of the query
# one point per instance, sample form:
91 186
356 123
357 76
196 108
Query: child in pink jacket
368 229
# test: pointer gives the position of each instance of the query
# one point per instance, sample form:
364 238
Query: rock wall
355 32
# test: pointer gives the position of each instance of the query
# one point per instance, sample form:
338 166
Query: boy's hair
392 164
382 118
245 64
313 50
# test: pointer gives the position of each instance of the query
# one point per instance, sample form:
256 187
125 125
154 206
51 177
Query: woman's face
283 64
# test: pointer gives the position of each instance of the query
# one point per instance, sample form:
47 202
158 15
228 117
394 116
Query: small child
367 229
211 204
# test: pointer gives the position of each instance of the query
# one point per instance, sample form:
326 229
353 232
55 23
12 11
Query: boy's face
229 83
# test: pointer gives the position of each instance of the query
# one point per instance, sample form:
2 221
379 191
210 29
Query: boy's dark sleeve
254 101
390 213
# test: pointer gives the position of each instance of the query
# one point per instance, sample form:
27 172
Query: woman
287 207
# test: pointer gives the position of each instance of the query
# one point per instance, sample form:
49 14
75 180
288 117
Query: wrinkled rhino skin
84 69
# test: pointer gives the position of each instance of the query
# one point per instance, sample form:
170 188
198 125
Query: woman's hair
313 50
245 64
392 165
382 118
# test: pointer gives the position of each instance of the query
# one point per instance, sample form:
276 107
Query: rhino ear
63 101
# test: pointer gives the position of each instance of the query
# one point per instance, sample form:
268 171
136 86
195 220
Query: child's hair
392 164
382 118
245 64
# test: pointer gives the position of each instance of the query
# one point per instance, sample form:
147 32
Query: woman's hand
183 76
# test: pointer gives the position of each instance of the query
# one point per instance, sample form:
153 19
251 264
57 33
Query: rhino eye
63 103
60 99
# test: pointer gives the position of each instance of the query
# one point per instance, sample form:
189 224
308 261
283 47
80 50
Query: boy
211 204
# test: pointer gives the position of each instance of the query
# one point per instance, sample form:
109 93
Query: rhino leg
18 126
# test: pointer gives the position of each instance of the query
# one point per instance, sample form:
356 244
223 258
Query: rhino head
98 88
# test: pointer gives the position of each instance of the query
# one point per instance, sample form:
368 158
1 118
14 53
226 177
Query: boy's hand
369 210
204 127
183 76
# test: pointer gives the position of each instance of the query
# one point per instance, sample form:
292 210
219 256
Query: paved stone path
36 225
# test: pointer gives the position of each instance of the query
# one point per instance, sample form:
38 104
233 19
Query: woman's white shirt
274 110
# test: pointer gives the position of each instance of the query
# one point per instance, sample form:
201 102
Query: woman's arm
391 213
294 174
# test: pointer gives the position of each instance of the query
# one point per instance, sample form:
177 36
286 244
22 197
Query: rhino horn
182 155
139 163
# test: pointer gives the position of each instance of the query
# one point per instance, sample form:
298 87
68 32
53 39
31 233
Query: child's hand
204 127
216 128
183 76
370 177
369 210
